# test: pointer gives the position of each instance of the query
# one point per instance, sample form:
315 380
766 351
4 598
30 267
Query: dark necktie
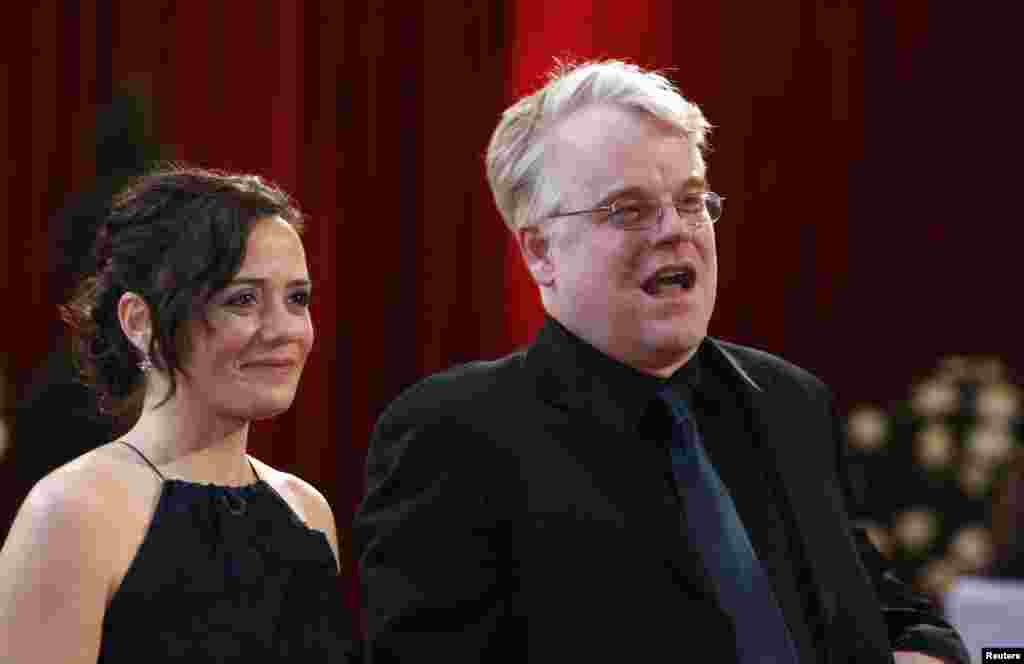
744 591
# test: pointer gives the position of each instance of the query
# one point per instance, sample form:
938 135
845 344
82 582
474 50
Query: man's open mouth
669 280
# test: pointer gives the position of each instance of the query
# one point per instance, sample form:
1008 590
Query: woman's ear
536 248
133 314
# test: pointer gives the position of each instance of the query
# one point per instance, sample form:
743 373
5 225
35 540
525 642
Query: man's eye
691 203
629 213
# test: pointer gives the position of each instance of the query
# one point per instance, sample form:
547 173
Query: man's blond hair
515 155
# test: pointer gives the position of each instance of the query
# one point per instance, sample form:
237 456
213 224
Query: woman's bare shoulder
302 496
95 509
93 491
65 553
99 479
304 499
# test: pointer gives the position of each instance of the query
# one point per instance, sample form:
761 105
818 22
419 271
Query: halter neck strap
161 475
148 462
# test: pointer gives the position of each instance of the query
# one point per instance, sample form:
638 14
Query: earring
144 364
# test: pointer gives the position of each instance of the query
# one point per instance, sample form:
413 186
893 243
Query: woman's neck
190 443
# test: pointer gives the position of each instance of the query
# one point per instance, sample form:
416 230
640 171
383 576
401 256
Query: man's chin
674 349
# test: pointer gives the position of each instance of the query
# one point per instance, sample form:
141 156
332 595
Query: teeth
681 278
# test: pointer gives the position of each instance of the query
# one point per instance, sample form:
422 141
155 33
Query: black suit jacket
524 509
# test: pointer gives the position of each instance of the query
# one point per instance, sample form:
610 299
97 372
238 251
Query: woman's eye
301 298
242 299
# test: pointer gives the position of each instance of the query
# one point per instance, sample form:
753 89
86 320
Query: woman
171 542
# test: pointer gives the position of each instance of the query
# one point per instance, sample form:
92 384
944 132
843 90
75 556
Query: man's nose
673 225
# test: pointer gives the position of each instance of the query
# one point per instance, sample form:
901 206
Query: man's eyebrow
258 281
623 192
694 182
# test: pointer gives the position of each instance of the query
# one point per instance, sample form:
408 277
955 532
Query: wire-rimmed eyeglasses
698 208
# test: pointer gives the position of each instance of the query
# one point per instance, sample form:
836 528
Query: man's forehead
602 126
604 149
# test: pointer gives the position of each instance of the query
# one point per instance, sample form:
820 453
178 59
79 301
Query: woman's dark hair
174 237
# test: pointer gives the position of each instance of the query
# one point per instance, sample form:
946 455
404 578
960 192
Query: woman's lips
281 368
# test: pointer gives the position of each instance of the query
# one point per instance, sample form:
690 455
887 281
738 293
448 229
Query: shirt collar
685 381
575 374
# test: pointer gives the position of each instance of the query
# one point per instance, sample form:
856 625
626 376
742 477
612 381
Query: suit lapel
776 429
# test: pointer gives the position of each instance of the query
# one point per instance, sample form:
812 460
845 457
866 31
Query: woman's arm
55 577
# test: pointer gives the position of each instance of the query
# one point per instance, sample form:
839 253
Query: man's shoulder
763 367
477 382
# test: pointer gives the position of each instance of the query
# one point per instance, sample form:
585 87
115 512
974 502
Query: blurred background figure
56 417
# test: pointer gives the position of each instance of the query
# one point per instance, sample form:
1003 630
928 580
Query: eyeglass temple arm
603 208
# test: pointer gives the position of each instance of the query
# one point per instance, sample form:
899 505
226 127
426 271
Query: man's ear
136 323
536 248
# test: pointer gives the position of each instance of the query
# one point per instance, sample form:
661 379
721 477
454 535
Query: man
560 504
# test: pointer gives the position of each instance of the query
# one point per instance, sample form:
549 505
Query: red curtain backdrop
866 151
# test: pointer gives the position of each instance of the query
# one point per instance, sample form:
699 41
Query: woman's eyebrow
259 281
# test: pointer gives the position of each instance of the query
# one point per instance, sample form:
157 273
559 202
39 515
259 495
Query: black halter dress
227 574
